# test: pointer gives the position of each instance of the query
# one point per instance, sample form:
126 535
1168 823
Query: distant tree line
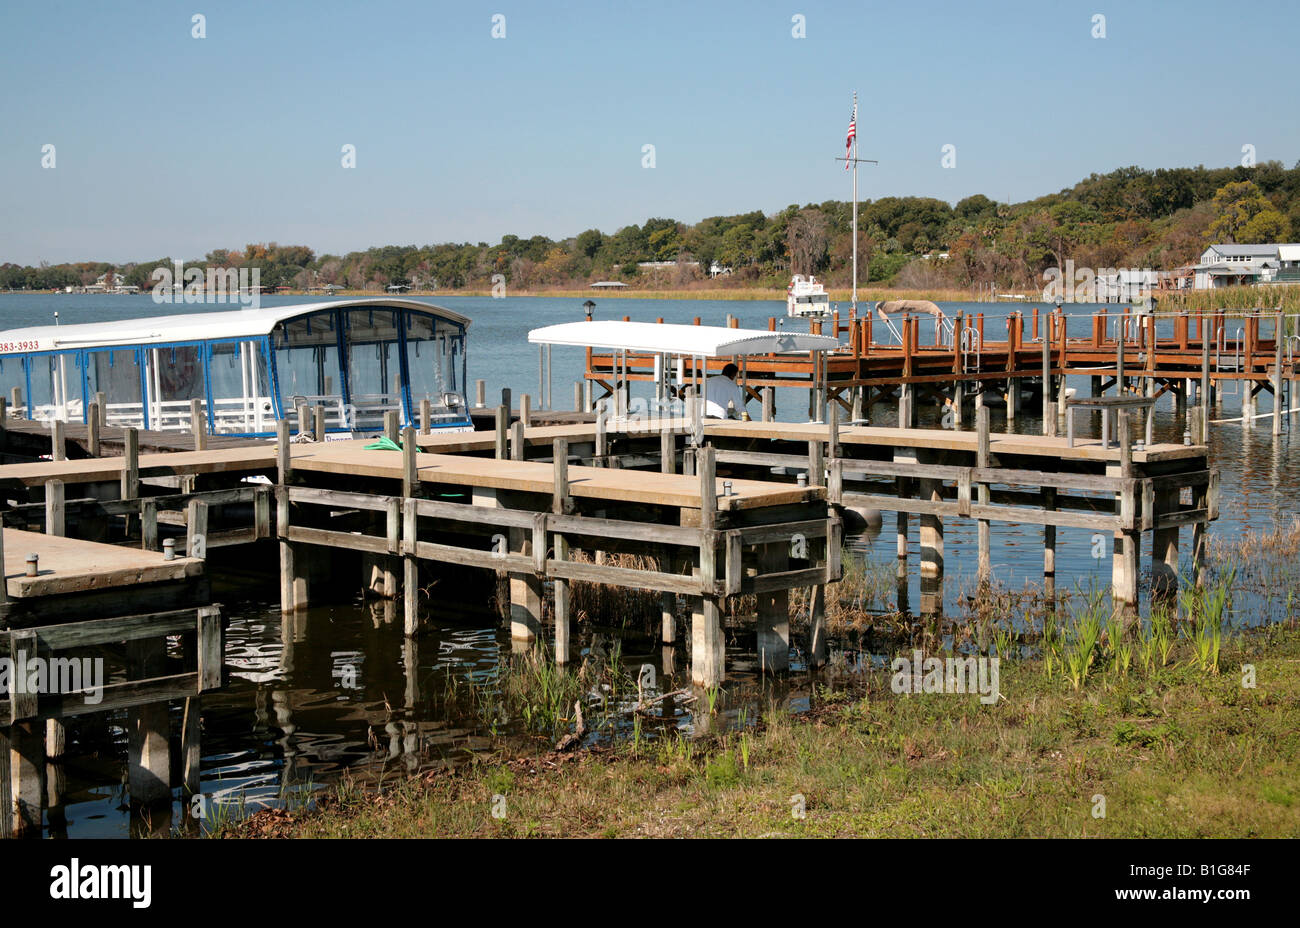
1128 218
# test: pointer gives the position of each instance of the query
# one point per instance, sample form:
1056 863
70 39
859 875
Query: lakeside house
1230 265
609 285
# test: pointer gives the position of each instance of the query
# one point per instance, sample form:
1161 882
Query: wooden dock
87 614
711 510
1029 354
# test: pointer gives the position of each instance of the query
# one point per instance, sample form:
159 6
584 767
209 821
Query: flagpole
854 304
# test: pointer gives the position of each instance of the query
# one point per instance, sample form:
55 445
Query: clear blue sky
171 145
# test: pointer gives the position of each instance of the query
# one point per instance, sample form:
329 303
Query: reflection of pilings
148 757
24 744
902 591
56 784
282 706
931 597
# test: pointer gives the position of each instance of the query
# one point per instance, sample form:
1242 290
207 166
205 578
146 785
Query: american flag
853 133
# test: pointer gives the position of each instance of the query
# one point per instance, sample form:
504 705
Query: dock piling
198 425
130 487
58 440
561 504
985 570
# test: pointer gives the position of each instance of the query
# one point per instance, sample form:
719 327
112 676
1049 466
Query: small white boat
806 297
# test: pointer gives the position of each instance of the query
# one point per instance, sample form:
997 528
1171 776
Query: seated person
721 390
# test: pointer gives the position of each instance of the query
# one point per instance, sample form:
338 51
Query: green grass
1176 752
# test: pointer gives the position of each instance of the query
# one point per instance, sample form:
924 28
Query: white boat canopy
214 326
698 341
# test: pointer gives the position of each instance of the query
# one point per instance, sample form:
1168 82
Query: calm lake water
342 689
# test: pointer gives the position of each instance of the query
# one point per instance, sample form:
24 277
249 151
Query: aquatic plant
1081 649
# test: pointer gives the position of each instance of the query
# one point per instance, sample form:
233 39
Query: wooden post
426 416
517 441
1164 549
577 396
1277 374
982 457
288 567
283 460
410 566
93 429
101 401
4 418
148 758
191 748
1124 566
1049 420
817 596
198 425
525 591
707 641
410 569
58 440
526 410
769 404
667 451
1119 357
318 423
480 394
196 530
1205 497
502 426
602 441
1203 410
4 598
55 513
1049 537
148 525
26 763
560 505
410 472
773 612
130 488
931 532
17 397
6 781
391 424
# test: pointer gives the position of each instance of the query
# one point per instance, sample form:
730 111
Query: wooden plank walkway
69 565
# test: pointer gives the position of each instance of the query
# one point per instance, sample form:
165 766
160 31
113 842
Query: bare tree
807 237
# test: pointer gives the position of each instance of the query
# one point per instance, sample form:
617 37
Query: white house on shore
1224 265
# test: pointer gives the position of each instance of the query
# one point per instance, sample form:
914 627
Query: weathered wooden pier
1188 355
711 510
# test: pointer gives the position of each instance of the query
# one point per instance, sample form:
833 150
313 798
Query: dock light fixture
726 488
169 549
589 307
1187 436
803 479
33 564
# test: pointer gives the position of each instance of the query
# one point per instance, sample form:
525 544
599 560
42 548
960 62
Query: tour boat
359 359
806 297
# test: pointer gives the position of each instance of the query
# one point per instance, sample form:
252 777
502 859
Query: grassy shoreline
1174 751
